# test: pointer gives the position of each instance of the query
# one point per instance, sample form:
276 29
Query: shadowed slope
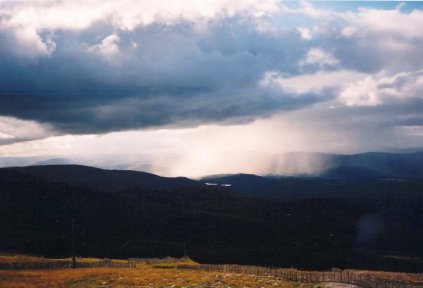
101 179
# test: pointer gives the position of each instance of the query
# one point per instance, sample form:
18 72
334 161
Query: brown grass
156 275
142 276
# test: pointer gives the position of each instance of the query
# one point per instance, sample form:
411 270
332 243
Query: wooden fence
63 265
104 263
359 278
35 265
135 261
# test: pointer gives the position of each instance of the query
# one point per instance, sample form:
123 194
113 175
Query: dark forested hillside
101 179
216 224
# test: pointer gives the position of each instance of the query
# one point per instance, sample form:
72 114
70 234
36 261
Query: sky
194 88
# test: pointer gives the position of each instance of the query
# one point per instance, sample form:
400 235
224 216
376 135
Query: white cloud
27 20
367 38
26 42
306 8
382 88
108 48
361 93
310 83
305 33
319 57
389 22
350 87
13 129
392 22
349 31
4 136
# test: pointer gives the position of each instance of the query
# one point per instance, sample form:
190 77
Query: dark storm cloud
99 76
162 75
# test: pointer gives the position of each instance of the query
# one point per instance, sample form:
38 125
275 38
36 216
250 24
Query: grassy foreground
162 275
142 276
154 275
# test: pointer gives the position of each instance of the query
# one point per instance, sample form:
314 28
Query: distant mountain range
377 164
368 171
355 166
376 168
362 211
371 164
